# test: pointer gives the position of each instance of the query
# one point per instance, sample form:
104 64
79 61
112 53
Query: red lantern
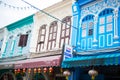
45 70
23 70
29 70
39 70
35 70
50 69
18 71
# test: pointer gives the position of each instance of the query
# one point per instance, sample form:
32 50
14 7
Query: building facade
3 32
95 39
15 46
33 45
49 36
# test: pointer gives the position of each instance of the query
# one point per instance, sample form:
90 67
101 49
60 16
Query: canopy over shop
49 61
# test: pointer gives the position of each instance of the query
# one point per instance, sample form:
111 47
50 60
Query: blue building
95 39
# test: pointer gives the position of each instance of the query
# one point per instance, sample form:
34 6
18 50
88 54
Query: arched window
105 28
41 38
105 20
52 35
65 31
87 32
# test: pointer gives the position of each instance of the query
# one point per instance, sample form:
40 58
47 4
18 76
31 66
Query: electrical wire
47 13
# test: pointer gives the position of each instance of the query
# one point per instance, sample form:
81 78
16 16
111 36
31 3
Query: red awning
39 62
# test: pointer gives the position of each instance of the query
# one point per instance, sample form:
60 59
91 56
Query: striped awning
90 60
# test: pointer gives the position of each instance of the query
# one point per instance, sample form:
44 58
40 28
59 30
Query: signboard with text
67 53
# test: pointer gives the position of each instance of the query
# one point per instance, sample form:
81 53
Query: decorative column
12 46
4 51
116 24
75 26
79 34
95 28
95 31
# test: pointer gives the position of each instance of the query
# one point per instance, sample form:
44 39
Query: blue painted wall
97 23
14 31
83 2
75 27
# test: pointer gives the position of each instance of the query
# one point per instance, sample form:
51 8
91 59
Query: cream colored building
51 30
60 11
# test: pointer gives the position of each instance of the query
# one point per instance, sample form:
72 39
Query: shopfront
44 68
103 66
7 72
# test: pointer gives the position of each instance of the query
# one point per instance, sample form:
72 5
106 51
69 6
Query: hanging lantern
29 70
15 71
93 73
66 73
18 70
39 70
45 70
35 70
50 69
23 70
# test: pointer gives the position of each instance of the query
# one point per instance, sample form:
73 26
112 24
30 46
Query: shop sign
67 52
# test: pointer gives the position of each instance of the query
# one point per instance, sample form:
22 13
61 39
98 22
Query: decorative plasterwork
97 6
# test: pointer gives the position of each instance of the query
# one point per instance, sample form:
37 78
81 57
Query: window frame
65 26
52 35
23 40
40 44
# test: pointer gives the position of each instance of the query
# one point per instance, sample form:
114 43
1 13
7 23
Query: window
41 38
106 21
105 28
52 35
23 40
90 28
87 26
90 32
84 25
65 31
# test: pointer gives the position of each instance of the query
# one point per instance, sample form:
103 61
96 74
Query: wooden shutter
23 40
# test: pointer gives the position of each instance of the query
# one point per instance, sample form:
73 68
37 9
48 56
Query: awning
90 60
39 62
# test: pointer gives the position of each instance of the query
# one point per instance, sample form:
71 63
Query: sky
14 10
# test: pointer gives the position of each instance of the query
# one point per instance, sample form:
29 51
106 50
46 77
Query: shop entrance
7 76
111 72
60 78
38 76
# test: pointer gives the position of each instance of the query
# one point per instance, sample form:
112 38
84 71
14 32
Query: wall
14 31
98 25
59 10
3 32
